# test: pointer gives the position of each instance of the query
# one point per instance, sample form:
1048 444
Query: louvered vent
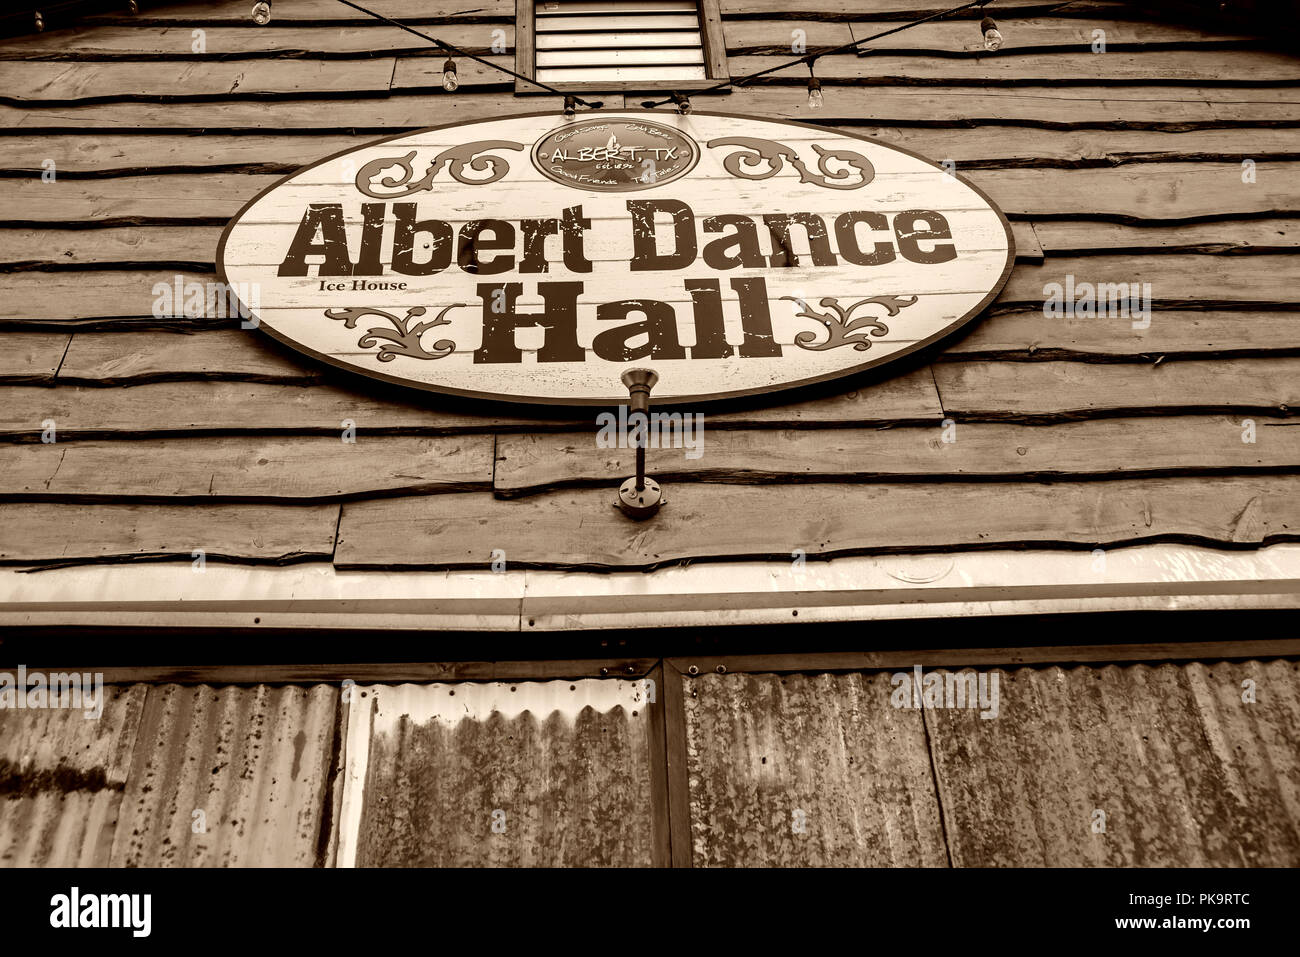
587 41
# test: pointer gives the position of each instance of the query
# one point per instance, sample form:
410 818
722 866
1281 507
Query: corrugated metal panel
808 770
562 768
61 780
254 761
1185 772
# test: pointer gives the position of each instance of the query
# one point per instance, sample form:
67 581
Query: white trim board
907 586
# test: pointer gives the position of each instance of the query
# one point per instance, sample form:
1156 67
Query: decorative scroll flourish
841 328
406 342
742 163
458 159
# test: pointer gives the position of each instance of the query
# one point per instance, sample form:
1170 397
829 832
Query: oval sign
536 258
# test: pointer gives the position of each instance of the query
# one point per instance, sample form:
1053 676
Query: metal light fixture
450 81
262 12
683 103
570 105
640 496
40 22
992 35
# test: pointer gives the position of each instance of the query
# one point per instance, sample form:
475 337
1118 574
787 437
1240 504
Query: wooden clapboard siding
771 521
118 154
949 38
379 115
1137 68
1172 334
176 41
51 533
1160 192
177 433
32 356
121 358
183 247
198 405
853 10
1148 107
323 468
1026 390
528 463
1240 236
1175 278
1154 107
312 12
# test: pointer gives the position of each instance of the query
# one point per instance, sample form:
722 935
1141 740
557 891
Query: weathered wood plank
987 146
1101 447
1146 191
1247 235
129 200
380 114
580 529
35 81
1144 67
31 356
41 533
896 9
314 408
1169 107
1020 390
1137 192
185 247
779 37
312 11
1172 333
1046 106
130 358
280 468
202 406
71 296
237 42
1030 33
1175 278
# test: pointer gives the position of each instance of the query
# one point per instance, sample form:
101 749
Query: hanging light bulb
570 105
40 22
132 7
815 101
450 81
262 12
992 35
683 103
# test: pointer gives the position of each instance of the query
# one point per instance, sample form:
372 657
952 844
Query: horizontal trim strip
919 585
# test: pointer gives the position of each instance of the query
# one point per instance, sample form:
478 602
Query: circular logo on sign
615 155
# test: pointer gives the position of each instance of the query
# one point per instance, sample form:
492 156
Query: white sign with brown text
535 258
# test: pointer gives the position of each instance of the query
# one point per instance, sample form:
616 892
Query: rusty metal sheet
230 776
538 773
61 780
1117 766
788 770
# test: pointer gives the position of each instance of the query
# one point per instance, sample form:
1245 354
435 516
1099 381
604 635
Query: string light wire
828 51
676 97
452 51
